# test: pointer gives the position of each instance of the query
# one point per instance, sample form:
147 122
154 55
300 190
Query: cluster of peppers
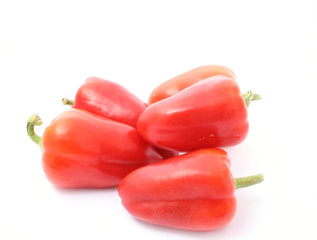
164 155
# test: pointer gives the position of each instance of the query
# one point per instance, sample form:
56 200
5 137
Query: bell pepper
111 100
193 191
108 99
210 113
84 150
182 81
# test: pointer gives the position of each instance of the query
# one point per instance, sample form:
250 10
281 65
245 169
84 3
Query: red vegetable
83 150
112 101
194 191
210 113
108 99
180 82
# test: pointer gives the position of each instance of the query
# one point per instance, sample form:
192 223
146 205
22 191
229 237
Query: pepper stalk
248 181
34 120
67 101
250 96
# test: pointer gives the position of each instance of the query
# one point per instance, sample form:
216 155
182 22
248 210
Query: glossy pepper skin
182 81
210 113
83 150
110 100
194 191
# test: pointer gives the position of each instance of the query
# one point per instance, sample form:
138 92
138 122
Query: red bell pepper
108 99
182 81
210 113
194 191
111 100
83 150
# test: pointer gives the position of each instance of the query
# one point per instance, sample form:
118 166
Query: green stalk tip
67 101
250 96
248 181
34 120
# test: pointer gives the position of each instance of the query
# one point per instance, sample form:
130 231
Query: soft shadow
224 232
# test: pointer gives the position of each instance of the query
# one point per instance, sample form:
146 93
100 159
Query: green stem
66 101
248 181
250 96
34 120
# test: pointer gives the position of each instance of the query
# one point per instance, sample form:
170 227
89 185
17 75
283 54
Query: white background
48 49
